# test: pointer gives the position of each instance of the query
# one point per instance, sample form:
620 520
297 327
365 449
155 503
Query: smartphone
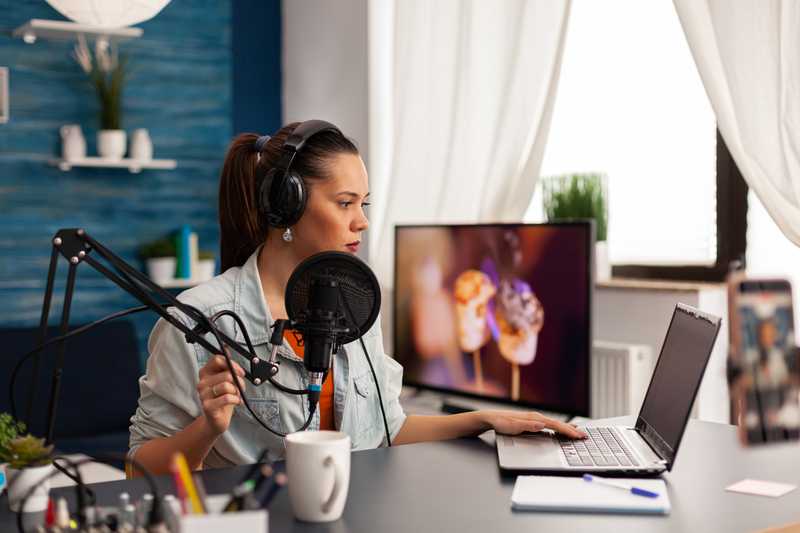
764 375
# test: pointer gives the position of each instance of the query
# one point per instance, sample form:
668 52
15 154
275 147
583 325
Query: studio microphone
332 298
321 328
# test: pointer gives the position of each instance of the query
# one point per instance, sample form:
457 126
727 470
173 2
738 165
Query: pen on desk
624 486
201 488
181 467
279 482
237 499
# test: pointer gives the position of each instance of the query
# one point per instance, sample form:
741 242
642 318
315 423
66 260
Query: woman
188 400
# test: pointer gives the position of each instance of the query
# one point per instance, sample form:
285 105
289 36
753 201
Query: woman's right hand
218 393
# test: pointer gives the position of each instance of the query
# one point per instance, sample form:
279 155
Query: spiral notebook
574 495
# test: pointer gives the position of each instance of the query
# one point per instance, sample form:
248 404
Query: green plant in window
577 196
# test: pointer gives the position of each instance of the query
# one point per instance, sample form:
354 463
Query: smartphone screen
766 378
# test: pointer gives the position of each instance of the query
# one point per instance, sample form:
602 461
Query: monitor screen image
498 311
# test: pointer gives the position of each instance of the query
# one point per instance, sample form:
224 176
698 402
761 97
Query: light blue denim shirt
168 399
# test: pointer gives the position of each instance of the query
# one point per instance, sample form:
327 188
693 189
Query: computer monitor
497 311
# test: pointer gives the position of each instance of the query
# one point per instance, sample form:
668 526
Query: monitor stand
422 401
452 408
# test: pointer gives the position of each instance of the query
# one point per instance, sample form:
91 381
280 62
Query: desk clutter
189 510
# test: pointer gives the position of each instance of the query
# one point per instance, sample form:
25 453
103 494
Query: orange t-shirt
326 395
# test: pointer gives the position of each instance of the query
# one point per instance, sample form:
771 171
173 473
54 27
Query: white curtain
748 55
461 94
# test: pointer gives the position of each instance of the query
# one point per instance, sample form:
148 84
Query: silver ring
214 390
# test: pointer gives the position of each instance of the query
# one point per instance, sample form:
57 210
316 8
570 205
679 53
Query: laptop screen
676 378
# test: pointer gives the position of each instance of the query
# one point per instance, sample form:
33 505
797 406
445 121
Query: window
631 104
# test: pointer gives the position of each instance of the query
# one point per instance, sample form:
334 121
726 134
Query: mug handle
338 479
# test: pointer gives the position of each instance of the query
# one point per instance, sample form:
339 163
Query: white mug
318 466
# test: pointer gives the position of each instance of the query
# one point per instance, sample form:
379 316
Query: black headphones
282 195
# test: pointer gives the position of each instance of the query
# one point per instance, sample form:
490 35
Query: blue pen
630 488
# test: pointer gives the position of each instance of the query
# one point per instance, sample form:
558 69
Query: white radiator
620 374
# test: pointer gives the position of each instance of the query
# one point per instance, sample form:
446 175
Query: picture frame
4 95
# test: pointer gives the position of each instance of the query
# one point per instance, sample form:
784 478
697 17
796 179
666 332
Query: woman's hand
218 393
514 423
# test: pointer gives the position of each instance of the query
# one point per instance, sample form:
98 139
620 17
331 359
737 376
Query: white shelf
178 283
133 165
65 30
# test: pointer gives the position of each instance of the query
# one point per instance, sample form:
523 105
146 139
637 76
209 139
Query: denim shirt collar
250 304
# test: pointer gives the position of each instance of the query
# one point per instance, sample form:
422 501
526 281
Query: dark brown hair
242 227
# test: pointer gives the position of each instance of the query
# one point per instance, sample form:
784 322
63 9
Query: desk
456 486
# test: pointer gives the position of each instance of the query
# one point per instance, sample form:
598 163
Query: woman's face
334 217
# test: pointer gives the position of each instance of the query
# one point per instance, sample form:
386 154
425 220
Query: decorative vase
141 145
73 144
601 262
20 483
111 143
161 269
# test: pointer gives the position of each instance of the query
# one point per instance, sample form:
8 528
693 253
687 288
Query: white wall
325 67
325 64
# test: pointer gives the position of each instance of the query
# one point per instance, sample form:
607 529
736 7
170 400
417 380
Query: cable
80 488
378 388
76 477
211 325
54 340
252 350
371 368
156 513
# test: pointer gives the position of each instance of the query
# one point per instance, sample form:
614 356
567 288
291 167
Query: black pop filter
360 294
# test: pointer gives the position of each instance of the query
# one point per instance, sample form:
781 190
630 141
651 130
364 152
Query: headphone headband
304 131
282 193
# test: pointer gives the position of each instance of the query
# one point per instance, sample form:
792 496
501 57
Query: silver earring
287 235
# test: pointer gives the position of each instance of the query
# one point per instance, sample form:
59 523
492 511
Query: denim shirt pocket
267 410
366 407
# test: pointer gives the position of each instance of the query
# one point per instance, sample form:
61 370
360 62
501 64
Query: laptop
650 447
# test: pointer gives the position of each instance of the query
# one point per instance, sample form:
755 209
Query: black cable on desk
156 513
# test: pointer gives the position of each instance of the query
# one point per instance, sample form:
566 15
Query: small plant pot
21 481
601 262
161 269
205 269
111 144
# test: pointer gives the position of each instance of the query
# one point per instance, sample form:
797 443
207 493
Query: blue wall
257 66
180 88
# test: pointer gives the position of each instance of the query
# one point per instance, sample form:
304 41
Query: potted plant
29 463
9 429
106 73
206 265
159 257
581 196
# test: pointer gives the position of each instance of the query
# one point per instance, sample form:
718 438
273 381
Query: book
574 495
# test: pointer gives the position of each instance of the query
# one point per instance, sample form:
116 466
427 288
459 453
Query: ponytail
241 230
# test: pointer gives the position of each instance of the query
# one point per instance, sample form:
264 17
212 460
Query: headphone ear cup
294 198
265 205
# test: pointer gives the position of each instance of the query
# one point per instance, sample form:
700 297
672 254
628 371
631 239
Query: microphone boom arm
76 245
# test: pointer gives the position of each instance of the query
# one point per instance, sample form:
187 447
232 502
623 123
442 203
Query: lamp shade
108 13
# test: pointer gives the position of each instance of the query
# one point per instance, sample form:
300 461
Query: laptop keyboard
603 447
